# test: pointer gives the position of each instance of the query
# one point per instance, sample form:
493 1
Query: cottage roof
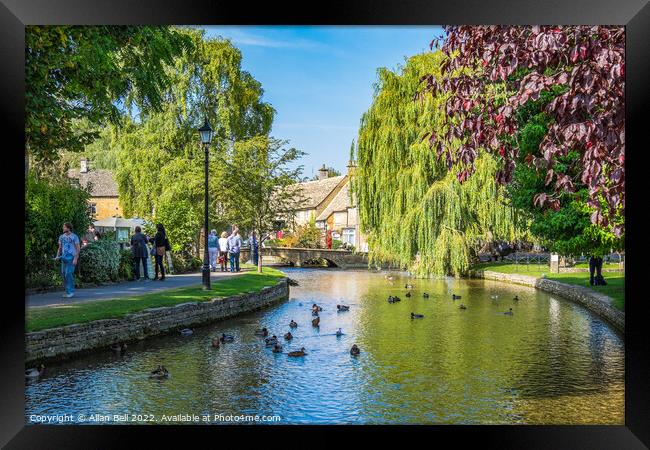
314 192
340 202
101 181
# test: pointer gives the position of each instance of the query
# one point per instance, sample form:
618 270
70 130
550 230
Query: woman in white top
223 251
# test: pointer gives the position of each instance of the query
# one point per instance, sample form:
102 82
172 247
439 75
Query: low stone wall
594 301
62 342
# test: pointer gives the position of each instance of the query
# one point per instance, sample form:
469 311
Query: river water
551 362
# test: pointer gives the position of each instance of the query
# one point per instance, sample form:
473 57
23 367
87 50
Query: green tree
263 192
416 212
92 73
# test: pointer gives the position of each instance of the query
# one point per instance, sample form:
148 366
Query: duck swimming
215 342
425 295
342 308
159 373
509 312
288 336
186 332
339 332
354 351
463 307
35 372
516 299
392 299
416 316
315 307
118 348
315 322
300 352
494 297
227 338
408 294
455 297
272 340
277 348
262 332
292 324
408 286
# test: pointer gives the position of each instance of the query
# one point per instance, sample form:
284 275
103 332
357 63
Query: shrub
100 261
184 262
48 204
125 270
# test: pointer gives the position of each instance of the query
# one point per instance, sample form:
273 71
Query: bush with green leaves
184 262
125 270
100 261
48 204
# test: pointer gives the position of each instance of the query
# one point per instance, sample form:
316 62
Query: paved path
124 289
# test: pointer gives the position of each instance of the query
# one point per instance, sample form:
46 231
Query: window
92 209
349 235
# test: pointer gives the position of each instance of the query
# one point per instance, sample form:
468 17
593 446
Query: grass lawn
41 318
615 280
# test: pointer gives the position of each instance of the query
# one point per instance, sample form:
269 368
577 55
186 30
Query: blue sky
320 79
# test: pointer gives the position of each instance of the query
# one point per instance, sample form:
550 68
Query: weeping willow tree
416 213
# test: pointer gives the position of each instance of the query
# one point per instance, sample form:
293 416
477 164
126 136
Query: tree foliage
416 213
588 117
263 193
91 73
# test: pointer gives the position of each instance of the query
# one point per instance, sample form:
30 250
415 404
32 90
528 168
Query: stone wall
594 301
61 342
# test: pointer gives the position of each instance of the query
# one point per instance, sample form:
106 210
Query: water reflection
550 362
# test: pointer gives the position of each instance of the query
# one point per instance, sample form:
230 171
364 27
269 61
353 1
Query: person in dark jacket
160 244
140 253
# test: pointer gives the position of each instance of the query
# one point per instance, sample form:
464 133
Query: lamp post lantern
206 137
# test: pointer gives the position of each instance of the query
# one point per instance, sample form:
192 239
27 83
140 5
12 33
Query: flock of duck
409 287
271 341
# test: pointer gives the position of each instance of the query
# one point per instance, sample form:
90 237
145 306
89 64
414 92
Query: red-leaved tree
588 117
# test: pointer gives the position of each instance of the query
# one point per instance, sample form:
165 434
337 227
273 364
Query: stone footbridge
297 256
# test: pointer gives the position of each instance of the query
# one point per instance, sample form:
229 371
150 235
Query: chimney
351 166
83 165
323 172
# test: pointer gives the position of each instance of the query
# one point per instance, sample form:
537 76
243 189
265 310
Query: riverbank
615 288
140 317
596 302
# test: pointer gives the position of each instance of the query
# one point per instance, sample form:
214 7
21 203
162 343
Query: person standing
140 252
254 244
160 244
223 251
595 265
68 254
234 246
213 249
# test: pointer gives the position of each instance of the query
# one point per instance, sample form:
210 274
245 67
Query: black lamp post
206 137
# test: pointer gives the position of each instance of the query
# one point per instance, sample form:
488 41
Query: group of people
228 248
221 250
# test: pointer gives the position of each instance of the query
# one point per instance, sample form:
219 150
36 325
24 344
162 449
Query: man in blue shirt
68 254
234 247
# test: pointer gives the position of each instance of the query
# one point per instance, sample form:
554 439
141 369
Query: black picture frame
634 14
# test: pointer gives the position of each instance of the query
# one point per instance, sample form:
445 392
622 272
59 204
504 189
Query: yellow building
104 200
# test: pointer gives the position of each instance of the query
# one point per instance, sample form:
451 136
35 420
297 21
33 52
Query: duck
494 297
509 312
392 299
159 373
186 332
408 294
118 347
342 308
216 343
425 295
292 282
315 322
455 297
227 338
277 348
339 332
263 332
292 324
463 307
300 352
354 351
516 299
408 286
35 372
272 340
288 336
314 312
315 307
417 316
